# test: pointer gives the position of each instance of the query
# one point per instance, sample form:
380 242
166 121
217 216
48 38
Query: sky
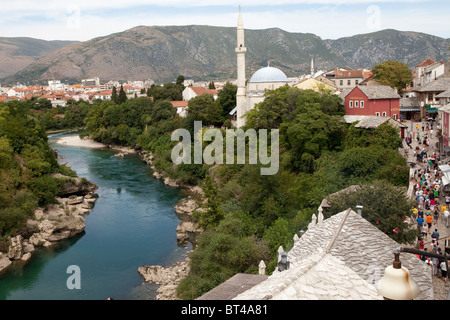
83 20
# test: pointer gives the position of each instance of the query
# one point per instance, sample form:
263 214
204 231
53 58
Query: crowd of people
432 204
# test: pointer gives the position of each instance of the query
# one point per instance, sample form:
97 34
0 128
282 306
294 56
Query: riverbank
76 141
55 222
168 278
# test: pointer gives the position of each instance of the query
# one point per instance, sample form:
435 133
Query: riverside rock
186 206
4 261
167 277
15 248
74 185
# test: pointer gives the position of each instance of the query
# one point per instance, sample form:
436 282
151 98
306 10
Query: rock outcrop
54 223
75 185
167 278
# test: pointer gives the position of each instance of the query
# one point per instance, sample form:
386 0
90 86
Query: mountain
17 53
161 53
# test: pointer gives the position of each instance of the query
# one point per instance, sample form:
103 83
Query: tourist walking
446 214
443 266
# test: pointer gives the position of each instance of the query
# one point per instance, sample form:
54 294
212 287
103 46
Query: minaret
312 67
241 99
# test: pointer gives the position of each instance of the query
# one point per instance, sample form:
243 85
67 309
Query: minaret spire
241 100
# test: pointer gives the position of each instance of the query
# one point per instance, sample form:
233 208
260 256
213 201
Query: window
356 82
395 117
349 82
377 114
356 104
384 114
350 104
361 104
342 82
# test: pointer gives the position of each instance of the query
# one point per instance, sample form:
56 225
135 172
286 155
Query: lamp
396 283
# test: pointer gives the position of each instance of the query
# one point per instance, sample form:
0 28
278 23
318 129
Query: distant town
420 99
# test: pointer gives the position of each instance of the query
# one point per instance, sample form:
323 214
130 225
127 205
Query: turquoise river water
133 223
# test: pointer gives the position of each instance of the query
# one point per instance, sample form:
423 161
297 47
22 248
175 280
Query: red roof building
372 101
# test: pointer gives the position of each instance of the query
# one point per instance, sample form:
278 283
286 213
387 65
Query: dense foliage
393 73
247 216
26 167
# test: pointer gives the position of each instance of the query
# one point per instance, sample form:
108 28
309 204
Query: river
133 223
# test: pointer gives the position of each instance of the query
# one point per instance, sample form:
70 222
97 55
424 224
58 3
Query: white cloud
87 19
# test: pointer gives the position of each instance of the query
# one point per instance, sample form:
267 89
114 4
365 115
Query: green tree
203 108
114 96
213 213
122 95
384 205
226 99
393 73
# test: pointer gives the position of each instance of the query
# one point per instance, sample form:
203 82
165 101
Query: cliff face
205 52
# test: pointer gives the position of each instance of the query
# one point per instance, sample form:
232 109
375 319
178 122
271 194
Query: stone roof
439 85
340 258
233 286
371 122
379 92
445 94
409 102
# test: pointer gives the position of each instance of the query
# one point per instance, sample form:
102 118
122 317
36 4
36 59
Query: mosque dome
269 74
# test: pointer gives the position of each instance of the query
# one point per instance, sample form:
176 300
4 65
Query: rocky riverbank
169 277
54 223
187 228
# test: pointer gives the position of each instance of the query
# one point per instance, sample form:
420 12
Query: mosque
267 78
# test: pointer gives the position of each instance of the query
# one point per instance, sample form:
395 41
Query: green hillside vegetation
26 165
249 215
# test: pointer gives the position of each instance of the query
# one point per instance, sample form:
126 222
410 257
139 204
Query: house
195 91
339 258
444 118
103 95
347 79
427 96
316 85
181 107
15 92
372 100
430 70
409 109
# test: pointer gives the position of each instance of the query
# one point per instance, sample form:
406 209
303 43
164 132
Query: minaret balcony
241 49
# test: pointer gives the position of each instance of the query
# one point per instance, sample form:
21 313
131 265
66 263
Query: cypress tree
122 95
114 95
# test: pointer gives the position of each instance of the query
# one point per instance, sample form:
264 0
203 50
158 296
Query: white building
264 79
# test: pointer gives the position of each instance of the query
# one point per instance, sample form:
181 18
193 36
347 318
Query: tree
226 98
384 205
114 95
122 95
393 73
203 108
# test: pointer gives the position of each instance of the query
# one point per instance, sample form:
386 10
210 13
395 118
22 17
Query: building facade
381 101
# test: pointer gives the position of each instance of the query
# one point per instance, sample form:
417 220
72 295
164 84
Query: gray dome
269 74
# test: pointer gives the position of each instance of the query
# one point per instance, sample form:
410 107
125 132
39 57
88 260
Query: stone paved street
441 289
